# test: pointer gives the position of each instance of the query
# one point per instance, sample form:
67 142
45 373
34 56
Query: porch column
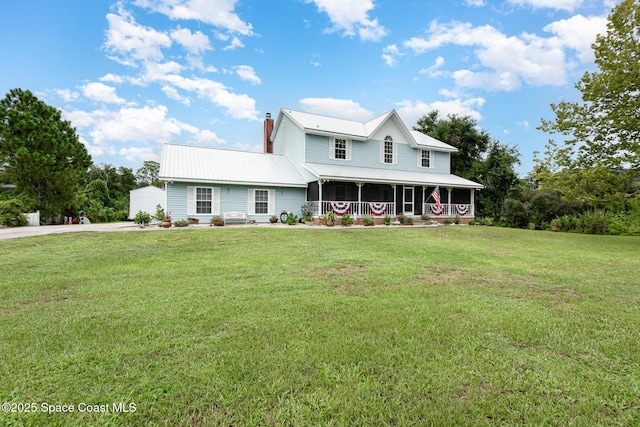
424 200
449 189
395 208
358 209
320 181
473 205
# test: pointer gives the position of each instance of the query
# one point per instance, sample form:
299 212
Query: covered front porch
380 199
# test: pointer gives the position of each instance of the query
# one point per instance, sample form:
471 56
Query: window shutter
349 149
251 204
381 151
215 208
191 200
272 202
395 153
332 148
419 158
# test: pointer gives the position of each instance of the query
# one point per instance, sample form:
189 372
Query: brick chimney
268 129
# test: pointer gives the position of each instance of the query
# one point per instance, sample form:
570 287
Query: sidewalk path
17 232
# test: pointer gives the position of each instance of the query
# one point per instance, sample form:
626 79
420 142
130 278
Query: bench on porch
234 216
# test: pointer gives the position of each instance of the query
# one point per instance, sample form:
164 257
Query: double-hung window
340 149
425 159
203 200
261 201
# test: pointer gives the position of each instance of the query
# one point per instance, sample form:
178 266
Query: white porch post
424 201
393 186
473 205
320 181
449 189
359 207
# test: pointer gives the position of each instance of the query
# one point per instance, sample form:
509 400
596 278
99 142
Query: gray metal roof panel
201 164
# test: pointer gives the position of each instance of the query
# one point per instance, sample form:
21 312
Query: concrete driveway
17 232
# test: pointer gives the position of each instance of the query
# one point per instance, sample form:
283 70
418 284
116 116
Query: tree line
587 182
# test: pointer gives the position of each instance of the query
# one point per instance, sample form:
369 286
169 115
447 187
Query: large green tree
41 154
148 174
602 131
460 131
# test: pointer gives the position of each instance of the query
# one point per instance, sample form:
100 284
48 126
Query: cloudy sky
133 74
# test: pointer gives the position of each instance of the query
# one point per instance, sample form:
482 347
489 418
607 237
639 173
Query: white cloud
112 78
219 13
173 93
411 111
343 108
507 61
475 3
132 154
195 43
235 44
351 17
579 33
66 94
390 55
434 70
131 42
569 5
102 93
247 73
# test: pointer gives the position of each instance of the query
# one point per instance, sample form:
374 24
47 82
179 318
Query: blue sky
133 74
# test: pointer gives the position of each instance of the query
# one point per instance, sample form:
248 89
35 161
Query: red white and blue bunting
340 208
462 209
377 208
437 209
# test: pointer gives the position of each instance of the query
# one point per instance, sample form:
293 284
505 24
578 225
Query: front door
407 205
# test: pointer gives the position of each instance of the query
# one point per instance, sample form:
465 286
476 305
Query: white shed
146 199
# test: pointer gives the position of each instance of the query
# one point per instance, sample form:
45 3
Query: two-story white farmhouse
373 168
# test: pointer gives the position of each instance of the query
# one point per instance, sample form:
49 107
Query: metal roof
424 140
317 123
352 173
215 165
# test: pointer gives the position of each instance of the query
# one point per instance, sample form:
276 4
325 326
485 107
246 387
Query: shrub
159 212
180 223
330 218
401 217
346 220
142 218
367 220
408 220
594 222
386 220
425 217
447 222
217 221
456 220
11 213
566 223
308 210
515 213
292 219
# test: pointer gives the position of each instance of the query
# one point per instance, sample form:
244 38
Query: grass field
299 326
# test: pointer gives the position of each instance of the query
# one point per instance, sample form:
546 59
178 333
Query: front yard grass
376 326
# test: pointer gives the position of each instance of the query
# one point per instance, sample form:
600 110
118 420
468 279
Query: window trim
420 158
271 201
332 149
383 151
192 200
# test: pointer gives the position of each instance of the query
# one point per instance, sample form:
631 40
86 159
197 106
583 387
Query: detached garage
146 199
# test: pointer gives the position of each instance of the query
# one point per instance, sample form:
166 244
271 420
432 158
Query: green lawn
300 326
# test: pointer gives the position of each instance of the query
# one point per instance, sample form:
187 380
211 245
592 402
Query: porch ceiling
385 176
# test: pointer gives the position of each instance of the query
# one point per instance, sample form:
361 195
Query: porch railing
449 210
356 208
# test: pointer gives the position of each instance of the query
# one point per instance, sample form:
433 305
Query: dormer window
388 151
340 149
